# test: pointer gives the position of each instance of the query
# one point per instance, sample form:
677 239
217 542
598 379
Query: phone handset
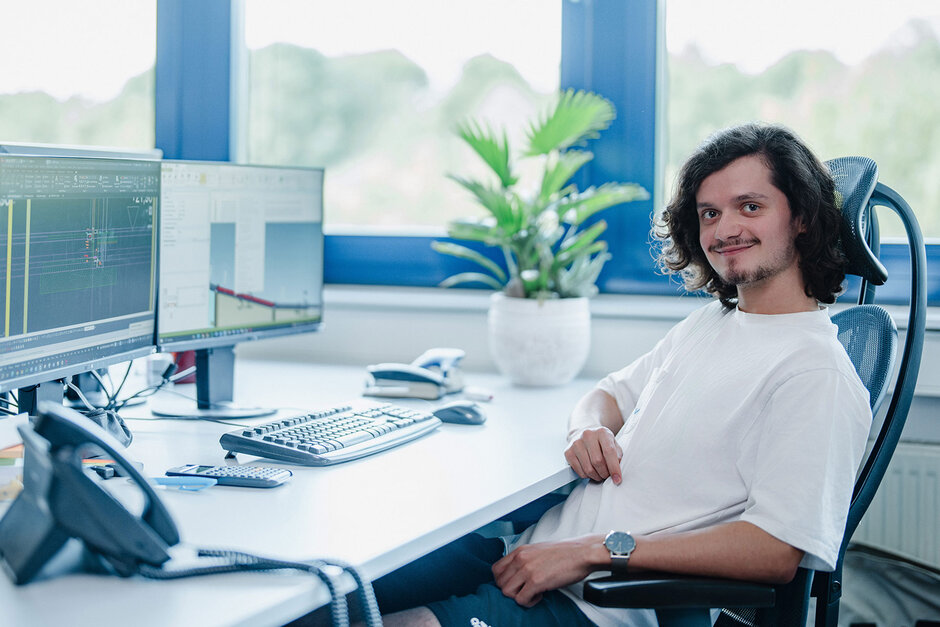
432 375
60 501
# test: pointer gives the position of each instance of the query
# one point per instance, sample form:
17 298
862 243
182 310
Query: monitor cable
169 376
112 396
237 561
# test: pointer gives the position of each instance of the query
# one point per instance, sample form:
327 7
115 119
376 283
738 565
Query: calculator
241 476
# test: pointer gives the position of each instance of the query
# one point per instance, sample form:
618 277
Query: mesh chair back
870 337
855 179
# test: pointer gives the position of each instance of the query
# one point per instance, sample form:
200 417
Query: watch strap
618 563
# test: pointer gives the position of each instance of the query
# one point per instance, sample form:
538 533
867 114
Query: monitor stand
215 383
28 398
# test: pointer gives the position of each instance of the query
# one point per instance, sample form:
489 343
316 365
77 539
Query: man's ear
799 224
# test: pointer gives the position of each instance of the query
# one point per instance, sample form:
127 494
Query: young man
730 449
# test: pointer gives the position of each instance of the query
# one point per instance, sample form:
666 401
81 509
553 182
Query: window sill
603 306
435 299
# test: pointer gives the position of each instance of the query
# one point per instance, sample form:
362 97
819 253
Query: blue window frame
609 46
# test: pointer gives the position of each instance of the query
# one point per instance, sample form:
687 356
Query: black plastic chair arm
664 590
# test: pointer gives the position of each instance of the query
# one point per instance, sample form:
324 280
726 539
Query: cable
81 396
166 377
237 561
367 601
117 391
104 387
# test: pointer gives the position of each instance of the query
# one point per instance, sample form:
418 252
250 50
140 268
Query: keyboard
334 435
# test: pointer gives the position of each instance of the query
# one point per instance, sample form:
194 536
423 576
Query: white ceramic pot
539 343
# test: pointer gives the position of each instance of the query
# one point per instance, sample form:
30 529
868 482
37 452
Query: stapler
432 375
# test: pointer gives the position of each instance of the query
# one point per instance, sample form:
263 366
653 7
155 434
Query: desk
376 513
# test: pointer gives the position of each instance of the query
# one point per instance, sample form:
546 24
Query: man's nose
728 226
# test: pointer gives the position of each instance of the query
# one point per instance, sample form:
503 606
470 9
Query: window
614 48
78 73
373 91
849 76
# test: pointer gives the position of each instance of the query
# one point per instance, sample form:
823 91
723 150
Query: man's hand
532 569
594 453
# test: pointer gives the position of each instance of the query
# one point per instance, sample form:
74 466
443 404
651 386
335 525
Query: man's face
745 225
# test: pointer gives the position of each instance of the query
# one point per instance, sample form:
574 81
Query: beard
736 277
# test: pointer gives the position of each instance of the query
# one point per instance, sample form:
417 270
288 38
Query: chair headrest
855 179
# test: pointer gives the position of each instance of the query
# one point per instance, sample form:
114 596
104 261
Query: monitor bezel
8 385
168 345
74 150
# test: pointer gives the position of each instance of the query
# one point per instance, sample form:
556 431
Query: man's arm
592 450
736 550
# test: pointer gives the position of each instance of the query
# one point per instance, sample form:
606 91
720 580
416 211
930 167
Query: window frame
198 112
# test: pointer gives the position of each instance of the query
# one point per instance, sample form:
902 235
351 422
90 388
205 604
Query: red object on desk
184 360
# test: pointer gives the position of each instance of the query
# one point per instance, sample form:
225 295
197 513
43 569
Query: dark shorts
456 583
488 607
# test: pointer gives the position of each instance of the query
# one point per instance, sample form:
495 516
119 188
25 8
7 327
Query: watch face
620 543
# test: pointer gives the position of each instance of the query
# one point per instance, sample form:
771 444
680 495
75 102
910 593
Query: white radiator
904 517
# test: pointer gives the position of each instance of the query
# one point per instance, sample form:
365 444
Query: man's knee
415 617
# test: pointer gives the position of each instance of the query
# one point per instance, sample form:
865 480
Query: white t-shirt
732 416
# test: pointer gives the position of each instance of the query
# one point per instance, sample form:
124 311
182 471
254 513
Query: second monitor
241 258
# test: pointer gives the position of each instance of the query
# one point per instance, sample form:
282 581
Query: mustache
734 242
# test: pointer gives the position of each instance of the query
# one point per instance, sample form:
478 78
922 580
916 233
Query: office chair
870 337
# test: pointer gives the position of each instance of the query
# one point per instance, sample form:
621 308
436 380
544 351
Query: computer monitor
78 265
84 387
241 258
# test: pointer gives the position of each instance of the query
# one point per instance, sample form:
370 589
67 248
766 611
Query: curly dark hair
795 171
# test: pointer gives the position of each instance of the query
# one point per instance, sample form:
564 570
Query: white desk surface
377 513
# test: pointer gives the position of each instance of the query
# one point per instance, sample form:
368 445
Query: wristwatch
621 545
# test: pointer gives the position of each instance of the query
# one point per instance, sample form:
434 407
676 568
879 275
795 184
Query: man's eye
709 214
751 207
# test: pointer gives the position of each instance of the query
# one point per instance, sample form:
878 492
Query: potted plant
539 319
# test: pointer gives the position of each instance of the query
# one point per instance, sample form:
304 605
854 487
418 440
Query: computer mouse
461 413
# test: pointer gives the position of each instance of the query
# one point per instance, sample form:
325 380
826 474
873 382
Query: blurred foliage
372 120
127 121
887 107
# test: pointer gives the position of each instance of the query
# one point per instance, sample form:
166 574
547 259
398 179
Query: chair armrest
665 590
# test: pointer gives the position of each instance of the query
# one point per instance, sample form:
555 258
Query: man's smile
732 247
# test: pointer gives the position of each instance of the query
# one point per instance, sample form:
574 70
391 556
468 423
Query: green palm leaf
462 252
493 150
595 199
471 277
569 250
561 172
493 200
475 229
578 116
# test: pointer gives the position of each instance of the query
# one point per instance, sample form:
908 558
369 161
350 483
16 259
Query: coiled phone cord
236 561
